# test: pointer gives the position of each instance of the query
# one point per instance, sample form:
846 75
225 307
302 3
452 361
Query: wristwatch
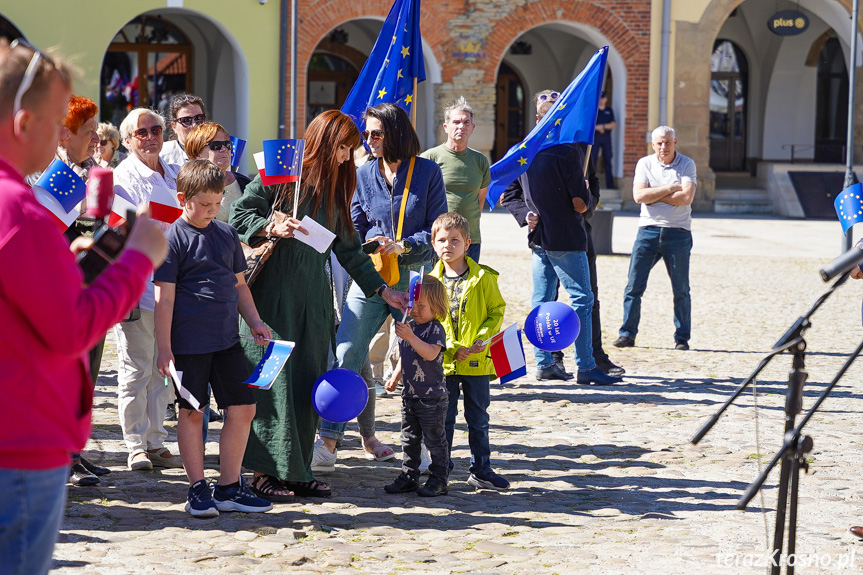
380 290
406 246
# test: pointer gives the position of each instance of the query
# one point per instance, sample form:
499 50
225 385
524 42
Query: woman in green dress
294 297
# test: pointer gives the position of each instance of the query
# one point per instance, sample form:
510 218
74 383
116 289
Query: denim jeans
476 402
423 421
361 319
30 513
673 246
571 269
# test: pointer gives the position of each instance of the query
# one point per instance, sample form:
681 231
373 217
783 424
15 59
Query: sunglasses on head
375 134
218 145
142 132
189 121
29 74
549 97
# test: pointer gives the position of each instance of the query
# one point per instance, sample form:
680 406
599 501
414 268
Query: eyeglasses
550 97
216 146
29 74
375 134
141 133
189 121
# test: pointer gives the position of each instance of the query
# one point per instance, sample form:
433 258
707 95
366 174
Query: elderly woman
375 212
210 141
187 111
294 297
143 395
107 153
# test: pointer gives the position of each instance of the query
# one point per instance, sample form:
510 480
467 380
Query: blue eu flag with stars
271 365
396 59
571 119
849 206
61 182
284 158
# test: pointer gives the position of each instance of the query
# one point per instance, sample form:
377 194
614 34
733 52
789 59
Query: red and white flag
507 354
61 217
270 180
118 210
164 205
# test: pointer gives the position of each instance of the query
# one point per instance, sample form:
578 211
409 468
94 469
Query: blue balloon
340 395
552 326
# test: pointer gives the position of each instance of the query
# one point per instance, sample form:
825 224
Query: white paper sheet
319 237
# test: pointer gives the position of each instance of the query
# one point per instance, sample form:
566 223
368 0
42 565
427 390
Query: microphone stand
795 446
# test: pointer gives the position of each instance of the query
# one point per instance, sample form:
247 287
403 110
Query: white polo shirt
654 173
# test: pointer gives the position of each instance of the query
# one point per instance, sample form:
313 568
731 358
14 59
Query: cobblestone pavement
604 479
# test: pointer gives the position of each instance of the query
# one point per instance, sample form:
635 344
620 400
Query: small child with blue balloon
475 314
422 341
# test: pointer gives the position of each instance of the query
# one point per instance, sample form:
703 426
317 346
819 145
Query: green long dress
294 298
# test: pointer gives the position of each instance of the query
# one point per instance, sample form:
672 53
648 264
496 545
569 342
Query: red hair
80 110
323 177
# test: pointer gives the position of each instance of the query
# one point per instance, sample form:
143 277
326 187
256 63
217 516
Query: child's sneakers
433 488
404 483
200 500
488 480
238 497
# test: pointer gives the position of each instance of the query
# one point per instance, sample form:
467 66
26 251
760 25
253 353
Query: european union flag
239 146
61 182
284 158
849 206
396 59
572 119
271 364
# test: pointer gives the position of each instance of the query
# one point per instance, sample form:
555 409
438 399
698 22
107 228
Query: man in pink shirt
49 318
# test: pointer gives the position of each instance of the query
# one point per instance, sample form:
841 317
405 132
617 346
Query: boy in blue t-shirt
200 292
422 342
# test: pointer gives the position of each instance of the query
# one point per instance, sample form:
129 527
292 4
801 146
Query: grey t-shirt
654 173
203 263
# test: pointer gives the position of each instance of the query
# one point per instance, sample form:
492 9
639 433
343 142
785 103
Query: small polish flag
270 180
164 205
61 217
507 354
118 210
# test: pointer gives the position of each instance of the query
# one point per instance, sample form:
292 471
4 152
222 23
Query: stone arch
332 13
631 40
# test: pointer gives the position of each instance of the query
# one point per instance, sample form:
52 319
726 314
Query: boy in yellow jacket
475 314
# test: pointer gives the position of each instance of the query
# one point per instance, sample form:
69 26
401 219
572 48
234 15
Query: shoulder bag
388 264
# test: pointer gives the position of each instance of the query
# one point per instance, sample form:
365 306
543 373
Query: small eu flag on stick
271 364
849 206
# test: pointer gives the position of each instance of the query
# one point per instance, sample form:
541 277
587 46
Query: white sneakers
322 460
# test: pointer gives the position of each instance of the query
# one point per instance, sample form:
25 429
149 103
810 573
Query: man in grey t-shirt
664 185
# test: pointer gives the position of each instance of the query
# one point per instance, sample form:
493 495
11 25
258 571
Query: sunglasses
550 97
141 133
30 74
375 134
216 146
189 121
104 142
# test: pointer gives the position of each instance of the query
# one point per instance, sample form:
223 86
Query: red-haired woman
294 297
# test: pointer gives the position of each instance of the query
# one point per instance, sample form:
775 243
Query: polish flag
118 211
164 205
270 180
507 354
62 219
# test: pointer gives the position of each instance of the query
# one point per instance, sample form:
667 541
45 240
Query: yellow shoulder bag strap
405 199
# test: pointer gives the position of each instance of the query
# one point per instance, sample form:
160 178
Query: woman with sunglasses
108 154
375 211
294 297
210 141
143 395
186 112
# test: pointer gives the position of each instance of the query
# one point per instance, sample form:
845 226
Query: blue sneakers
200 500
489 480
238 497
